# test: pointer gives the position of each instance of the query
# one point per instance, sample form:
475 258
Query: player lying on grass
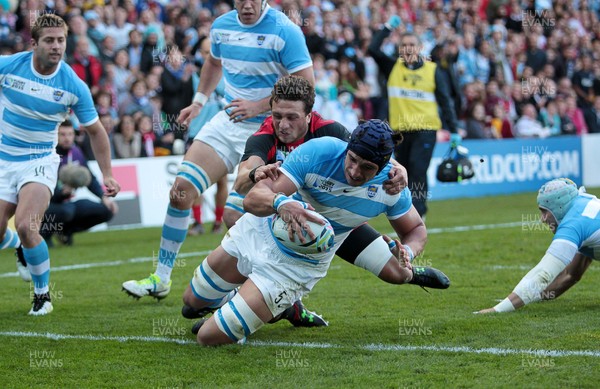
343 182
574 218
292 123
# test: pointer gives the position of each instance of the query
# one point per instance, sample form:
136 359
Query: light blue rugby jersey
317 169
579 230
254 57
33 105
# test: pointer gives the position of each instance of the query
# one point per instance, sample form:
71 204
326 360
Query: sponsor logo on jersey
13 83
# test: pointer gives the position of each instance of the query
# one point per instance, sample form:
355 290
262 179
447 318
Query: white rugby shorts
227 138
13 175
281 279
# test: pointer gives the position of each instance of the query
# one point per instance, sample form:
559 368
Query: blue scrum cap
557 197
372 140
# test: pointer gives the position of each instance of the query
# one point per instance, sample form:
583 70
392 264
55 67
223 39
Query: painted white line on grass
48 335
478 227
527 267
368 347
111 263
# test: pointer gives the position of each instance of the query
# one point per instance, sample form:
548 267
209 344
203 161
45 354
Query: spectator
528 126
150 52
566 124
314 40
107 84
119 31
96 29
467 63
177 89
86 66
550 118
536 58
123 76
104 104
186 35
127 141
77 31
576 115
593 119
145 127
445 55
134 49
583 83
500 124
136 103
107 50
477 127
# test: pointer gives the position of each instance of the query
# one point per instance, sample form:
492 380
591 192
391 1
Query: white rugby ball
324 236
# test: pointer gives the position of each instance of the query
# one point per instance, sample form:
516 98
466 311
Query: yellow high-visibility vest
411 93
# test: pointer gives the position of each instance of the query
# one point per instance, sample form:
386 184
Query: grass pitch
380 335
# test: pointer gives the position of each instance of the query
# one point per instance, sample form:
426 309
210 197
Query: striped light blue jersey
33 105
255 56
317 170
579 231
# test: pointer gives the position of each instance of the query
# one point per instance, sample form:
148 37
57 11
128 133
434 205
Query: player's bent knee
208 286
182 194
210 335
189 299
230 217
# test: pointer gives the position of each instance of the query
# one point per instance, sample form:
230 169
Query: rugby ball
324 236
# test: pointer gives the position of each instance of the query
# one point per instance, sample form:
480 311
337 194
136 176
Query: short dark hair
294 88
67 123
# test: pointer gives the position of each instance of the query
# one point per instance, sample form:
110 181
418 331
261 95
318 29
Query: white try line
368 347
478 227
527 267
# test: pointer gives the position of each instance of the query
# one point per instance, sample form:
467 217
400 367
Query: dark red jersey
264 143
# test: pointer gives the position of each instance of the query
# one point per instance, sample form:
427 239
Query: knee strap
235 201
374 257
237 320
208 285
194 174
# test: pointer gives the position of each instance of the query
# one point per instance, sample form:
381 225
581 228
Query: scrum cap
557 197
372 140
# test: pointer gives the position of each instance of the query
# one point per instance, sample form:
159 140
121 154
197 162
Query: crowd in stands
516 68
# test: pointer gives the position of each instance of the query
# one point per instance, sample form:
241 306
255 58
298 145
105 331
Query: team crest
261 39
372 191
58 94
